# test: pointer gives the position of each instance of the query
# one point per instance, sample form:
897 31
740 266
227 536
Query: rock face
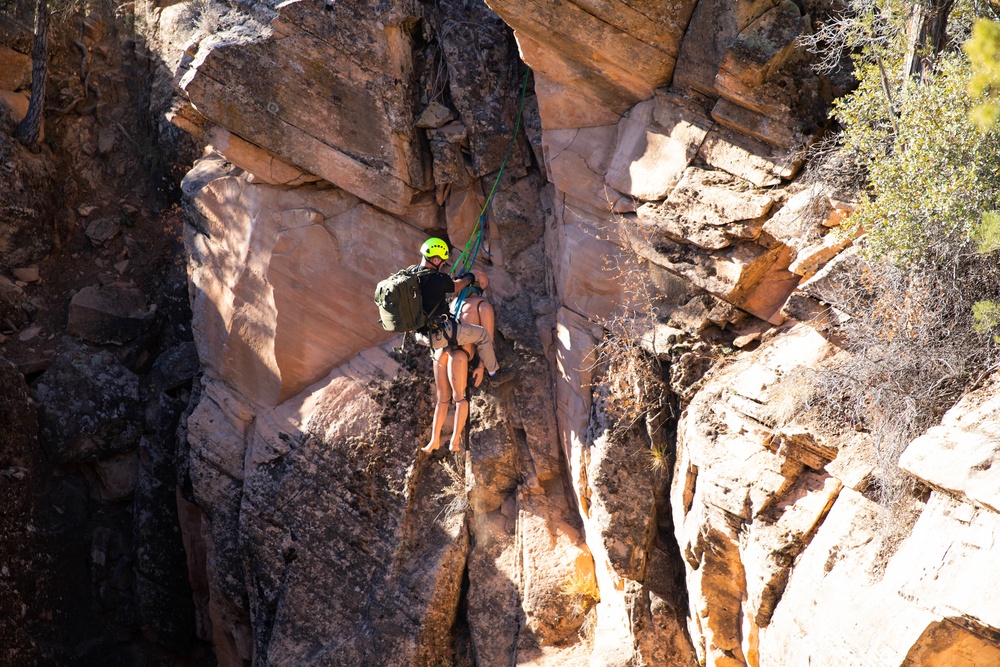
663 141
20 463
345 76
26 200
102 418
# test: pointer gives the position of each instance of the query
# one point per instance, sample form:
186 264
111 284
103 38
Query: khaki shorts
465 334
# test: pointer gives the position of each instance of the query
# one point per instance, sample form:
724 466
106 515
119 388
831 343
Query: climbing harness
474 245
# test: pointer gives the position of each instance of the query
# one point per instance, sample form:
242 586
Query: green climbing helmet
434 247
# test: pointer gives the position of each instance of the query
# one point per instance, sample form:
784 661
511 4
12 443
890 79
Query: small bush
629 379
204 17
931 173
582 591
454 493
987 316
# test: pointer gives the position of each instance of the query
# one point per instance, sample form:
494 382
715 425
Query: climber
450 342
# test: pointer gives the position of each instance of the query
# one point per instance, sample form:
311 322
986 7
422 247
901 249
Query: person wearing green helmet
449 341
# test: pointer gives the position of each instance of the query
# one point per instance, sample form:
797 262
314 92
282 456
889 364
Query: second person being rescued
451 342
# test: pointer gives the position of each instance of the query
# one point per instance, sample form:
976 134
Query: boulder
27 274
702 312
16 103
708 209
832 286
766 299
175 367
776 129
102 230
961 456
730 274
264 165
655 143
799 222
89 406
446 145
819 315
834 587
945 568
762 47
811 258
749 158
113 314
576 161
434 115
118 475
714 26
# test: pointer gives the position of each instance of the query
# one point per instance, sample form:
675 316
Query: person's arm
464 280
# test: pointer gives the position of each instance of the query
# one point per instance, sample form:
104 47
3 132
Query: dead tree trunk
29 129
926 31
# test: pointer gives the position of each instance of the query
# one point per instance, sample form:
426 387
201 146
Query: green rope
468 255
474 245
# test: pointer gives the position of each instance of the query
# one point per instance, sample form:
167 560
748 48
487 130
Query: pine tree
29 129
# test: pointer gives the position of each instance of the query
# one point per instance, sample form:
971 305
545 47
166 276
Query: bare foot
430 447
477 375
456 447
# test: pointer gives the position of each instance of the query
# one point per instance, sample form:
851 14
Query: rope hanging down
474 245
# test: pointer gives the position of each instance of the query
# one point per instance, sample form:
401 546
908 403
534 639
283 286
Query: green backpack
400 303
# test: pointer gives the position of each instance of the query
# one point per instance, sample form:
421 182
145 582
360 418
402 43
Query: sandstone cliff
666 138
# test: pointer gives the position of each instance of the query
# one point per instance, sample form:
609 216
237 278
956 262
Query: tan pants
465 334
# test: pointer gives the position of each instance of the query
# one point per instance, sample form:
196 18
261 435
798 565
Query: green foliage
987 316
931 172
983 49
986 233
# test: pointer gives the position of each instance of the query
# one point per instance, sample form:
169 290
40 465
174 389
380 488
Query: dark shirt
434 290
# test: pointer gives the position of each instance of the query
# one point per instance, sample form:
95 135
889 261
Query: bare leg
458 372
487 317
442 390
479 311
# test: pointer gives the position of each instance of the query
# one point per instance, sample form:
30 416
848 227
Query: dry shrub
914 352
588 628
204 16
581 589
454 493
628 379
